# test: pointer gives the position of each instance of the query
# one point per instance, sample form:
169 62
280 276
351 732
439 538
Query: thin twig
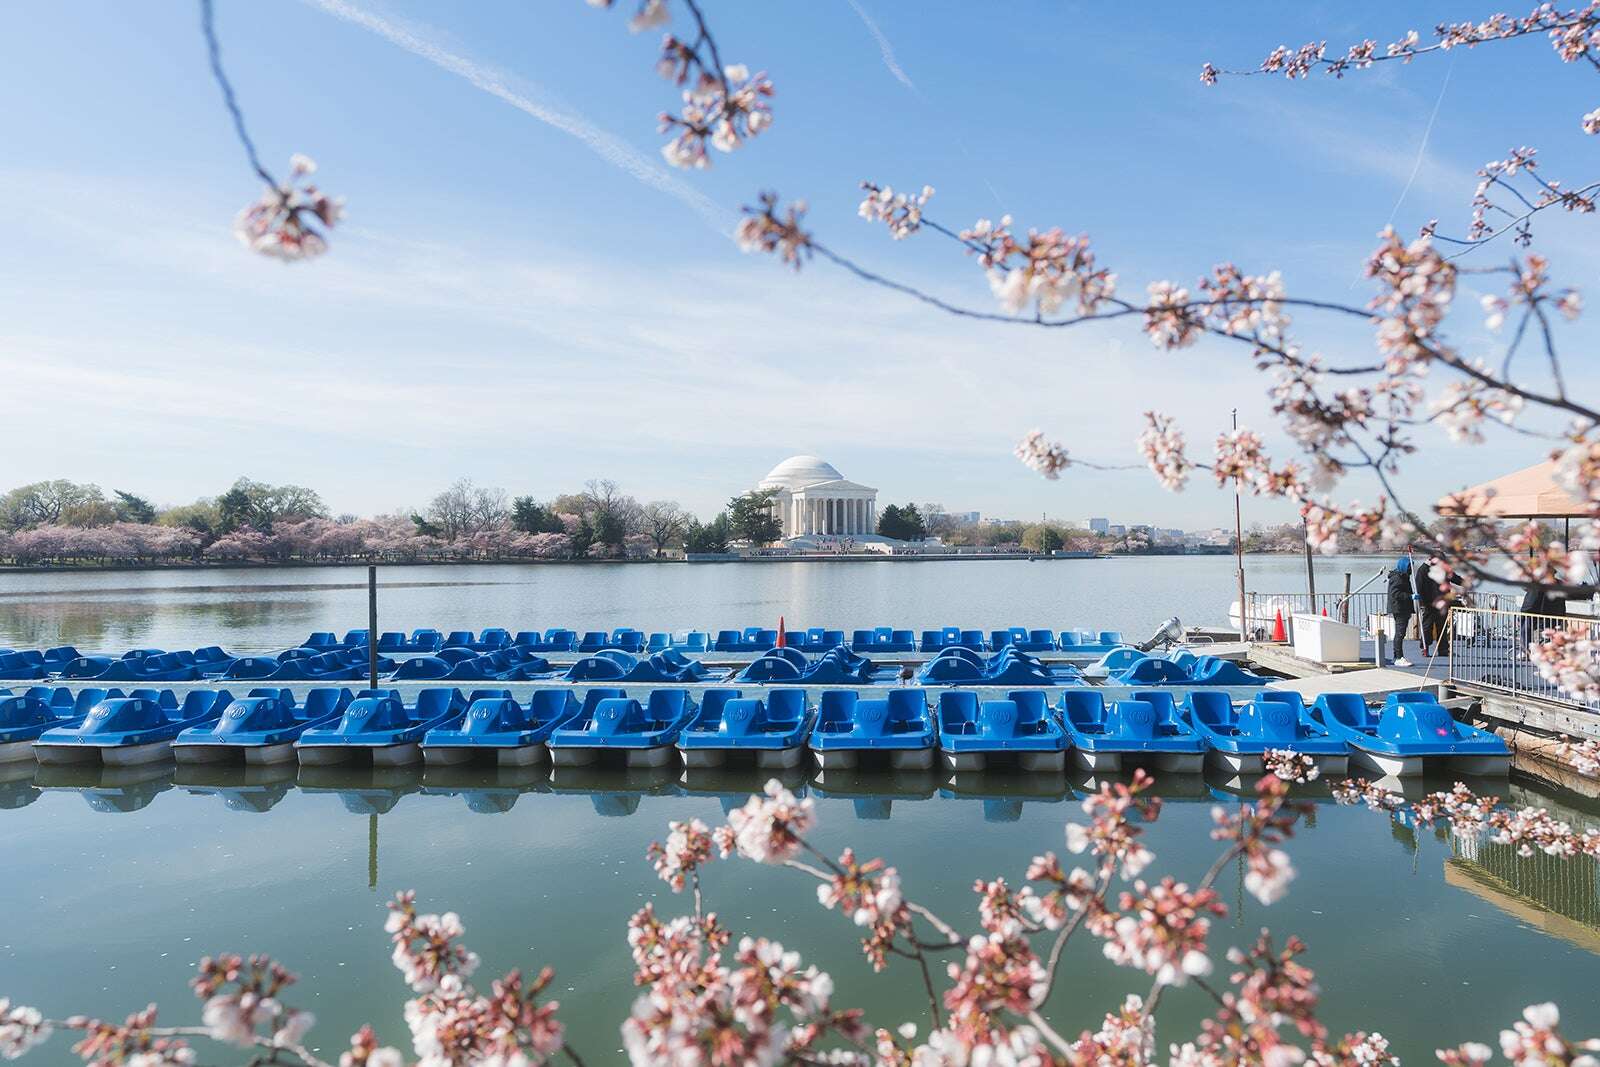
214 50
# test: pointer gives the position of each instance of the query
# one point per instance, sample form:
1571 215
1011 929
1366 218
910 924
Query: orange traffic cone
780 631
1278 632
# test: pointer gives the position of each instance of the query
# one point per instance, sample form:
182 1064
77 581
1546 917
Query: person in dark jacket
1402 605
1435 599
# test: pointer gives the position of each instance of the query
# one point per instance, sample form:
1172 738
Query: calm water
254 609
111 887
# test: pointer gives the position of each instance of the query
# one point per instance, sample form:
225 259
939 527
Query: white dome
796 472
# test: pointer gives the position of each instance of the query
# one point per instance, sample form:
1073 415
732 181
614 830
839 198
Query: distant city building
966 518
1113 529
1099 526
813 499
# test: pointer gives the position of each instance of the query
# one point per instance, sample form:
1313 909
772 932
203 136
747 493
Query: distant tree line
67 522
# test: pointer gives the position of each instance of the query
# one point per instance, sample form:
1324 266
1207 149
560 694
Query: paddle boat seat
899 723
139 728
260 728
1146 729
773 728
1411 727
495 724
646 733
971 732
24 716
378 723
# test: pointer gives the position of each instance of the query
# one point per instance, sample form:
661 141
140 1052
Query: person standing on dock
1402 606
1435 596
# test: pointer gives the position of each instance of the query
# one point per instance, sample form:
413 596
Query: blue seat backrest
1083 705
786 705
593 697
962 703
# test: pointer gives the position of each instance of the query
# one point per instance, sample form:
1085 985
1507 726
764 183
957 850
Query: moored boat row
1162 728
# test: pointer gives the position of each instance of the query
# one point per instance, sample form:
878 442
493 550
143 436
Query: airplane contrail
884 47
500 84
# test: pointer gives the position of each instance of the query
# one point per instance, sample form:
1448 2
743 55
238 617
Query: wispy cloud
514 91
884 47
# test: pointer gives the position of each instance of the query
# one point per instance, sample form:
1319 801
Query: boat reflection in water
109 789
242 787
614 791
732 786
16 784
875 791
362 790
487 790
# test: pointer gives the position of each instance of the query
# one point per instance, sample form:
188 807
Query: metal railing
1262 608
1490 651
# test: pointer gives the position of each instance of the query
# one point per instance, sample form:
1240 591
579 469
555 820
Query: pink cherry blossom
282 223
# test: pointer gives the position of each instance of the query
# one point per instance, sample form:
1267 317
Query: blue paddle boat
772 729
1147 730
496 726
379 724
972 733
1273 719
121 731
1410 730
24 716
898 724
260 728
611 722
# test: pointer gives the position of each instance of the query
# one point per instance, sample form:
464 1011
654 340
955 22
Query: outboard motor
1168 634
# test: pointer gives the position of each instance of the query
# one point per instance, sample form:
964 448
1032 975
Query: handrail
1495 649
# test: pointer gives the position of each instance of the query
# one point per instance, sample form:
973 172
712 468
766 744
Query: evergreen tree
751 517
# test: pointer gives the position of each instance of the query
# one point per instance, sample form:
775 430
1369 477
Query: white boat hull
204 753
66 754
1481 765
16 751
1035 762
1099 762
1235 762
1386 766
522 756
133 755
323 755
396 755
572 757
780 757
446 756
1178 762
268 755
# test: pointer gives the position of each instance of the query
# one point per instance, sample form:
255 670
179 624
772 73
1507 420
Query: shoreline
815 557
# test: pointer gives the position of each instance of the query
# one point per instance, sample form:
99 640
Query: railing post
1344 605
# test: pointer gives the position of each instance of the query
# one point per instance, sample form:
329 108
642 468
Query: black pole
372 626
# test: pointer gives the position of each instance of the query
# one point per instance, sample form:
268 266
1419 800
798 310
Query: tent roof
1526 494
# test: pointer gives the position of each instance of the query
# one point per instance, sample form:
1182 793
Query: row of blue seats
55 723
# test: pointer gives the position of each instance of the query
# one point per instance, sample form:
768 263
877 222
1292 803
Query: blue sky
524 294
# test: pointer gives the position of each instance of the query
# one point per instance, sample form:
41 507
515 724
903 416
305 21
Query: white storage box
1325 640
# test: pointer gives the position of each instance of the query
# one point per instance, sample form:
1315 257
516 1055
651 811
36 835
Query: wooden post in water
372 626
372 851
1238 549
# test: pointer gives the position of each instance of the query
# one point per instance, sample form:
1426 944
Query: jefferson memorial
814 499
